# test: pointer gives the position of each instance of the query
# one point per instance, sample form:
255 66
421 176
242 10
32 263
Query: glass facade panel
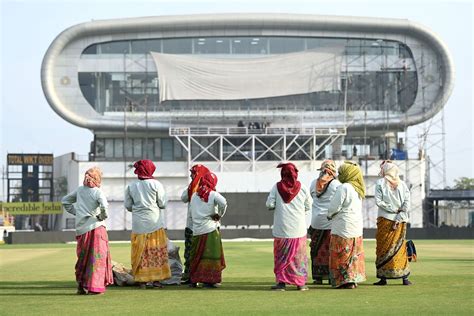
166 149
158 148
109 148
128 148
100 147
137 148
381 75
118 150
91 50
282 45
250 45
119 47
212 45
146 46
148 149
177 46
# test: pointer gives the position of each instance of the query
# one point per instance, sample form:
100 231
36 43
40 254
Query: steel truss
223 145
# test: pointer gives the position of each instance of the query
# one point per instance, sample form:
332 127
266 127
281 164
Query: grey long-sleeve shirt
345 212
390 201
201 212
86 203
289 219
145 198
320 207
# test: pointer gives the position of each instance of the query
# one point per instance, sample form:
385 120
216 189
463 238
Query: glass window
354 47
146 46
282 45
177 46
211 45
249 45
128 148
178 150
148 148
109 148
166 149
404 51
313 43
118 149
87 83
373 48
137 148
99 147
119 47
90 50
158 148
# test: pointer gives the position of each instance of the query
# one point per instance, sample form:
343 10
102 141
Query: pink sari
93 267
291 261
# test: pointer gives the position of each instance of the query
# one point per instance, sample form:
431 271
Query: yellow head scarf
349 172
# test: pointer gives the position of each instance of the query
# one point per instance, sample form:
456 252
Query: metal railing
213 131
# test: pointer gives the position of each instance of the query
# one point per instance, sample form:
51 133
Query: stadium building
240 93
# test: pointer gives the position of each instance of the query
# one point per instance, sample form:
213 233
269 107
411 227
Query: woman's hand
216 217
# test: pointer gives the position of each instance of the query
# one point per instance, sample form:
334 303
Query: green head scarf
349 172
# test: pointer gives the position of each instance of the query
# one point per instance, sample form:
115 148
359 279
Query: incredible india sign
32 208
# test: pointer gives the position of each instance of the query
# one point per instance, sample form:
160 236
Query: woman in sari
93 267
322 190
197 172
291 201
145 198
207 255
347 259
392 196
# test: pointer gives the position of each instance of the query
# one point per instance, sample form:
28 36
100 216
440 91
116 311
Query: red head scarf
197 172
92 178
327 174
289 186
144 169
206 185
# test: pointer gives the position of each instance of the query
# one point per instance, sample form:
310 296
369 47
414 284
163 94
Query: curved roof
58 72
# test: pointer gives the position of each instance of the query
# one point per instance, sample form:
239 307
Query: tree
464 183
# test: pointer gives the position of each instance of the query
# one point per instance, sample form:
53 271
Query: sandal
381 282
81 290
279 287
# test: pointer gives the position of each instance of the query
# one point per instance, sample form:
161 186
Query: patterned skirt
94 267
291 261
320 253
150 256
188 241
207 258
392 259
346 261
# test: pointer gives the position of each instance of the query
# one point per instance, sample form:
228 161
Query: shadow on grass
38 288
68 287
36 285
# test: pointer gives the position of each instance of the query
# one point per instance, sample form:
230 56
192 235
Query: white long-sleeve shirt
345 211
145 198
201 212
185 199
390 201
289 219
319 218
86 203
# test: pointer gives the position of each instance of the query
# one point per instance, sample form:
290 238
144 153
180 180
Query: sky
29 125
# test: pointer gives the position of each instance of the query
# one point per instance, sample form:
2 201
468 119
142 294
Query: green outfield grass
39 279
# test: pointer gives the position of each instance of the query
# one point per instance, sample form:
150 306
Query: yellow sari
150 256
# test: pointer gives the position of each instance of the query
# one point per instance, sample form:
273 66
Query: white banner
192 77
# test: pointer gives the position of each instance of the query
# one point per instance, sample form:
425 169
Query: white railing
204 131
